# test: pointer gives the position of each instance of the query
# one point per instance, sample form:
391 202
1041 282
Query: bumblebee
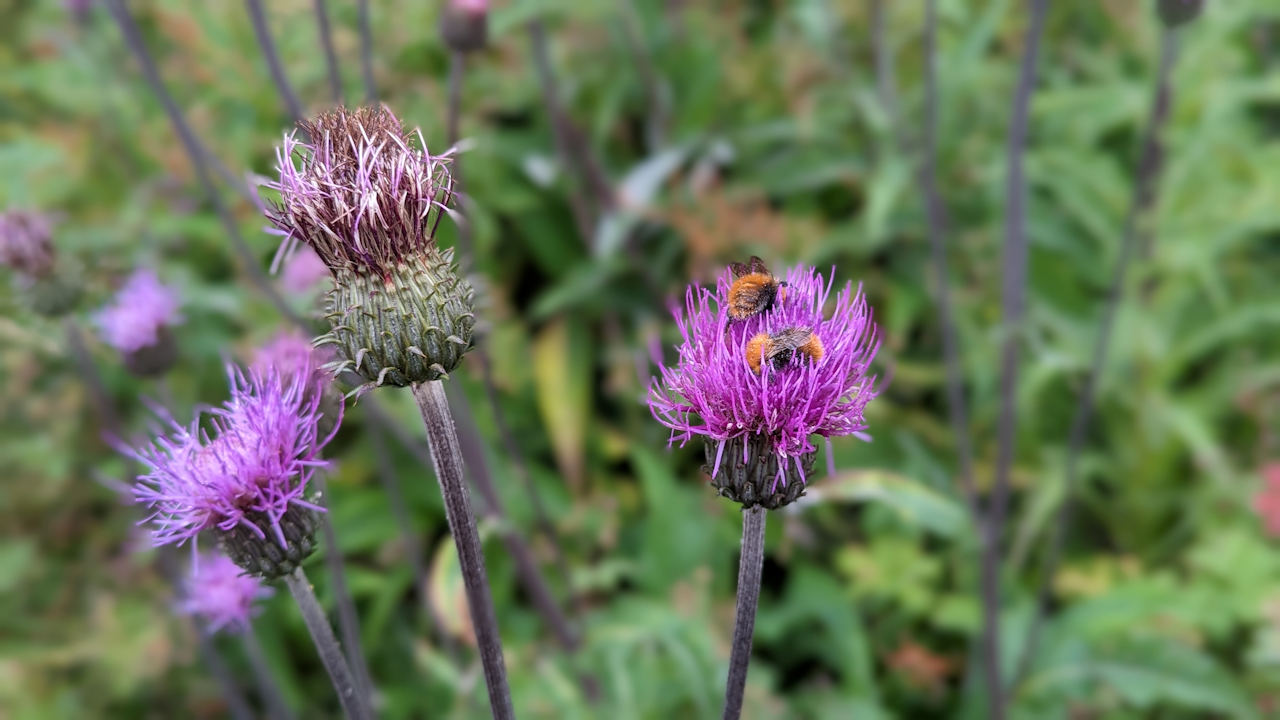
782 347
754 289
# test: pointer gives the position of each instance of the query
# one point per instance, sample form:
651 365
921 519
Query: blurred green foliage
729 128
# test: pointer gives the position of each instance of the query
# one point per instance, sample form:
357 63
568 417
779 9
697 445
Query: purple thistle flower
303 272
244 476
139 312
768 413
220 593
290 352
360 192
26 242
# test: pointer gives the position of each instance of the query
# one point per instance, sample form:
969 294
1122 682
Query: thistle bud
464 25
1178 12
367 198
48 287
746 470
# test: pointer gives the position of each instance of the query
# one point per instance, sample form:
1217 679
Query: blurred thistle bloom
368 198
303 272
1267 502
464 24
291 353
218 592
758 389
48 287
1178 12
136 322
244 476
26 242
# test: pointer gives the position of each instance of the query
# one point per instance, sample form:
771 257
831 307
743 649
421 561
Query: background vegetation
727 128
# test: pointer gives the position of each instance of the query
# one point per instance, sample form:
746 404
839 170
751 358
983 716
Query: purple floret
362 192
303 272
247 467
26 242
218 592
291 352
139 311
712 390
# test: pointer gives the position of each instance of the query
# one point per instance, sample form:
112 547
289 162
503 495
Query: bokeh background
721 129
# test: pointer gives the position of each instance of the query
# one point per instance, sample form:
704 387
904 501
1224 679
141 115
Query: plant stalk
1143 199
330 56
277 707
1013 302
237 705
268 46
750 566
348 619
446 455
327 646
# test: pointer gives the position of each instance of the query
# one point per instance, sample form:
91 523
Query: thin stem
327 646
231 690
750 565
366 52
199 159
1144 196
1012 301
348 619
268 47
447 459
658 100
103 406
330 56
277 707
564 135
526 566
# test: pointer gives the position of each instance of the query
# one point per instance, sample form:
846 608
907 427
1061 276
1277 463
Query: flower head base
464 25
136 322
368 200
218 592
244 477
758 389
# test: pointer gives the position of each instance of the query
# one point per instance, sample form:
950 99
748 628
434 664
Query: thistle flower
48 287
464 24
367 199
290 353
218 592
759 389
137 320
244 476
303 272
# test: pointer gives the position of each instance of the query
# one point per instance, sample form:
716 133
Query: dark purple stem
268 46
330 56
348 619
1144 196
750 568
1012 301
446 456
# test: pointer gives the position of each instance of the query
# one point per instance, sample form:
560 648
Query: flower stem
366 52
277 707
446 455
268 46
330 56
749 569
348 620
237 706
1144 196
327 645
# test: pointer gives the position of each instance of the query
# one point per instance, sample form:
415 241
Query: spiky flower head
1177 12
137 320
222 595
26 242
464 24
760 389
47 286
243 474
367 197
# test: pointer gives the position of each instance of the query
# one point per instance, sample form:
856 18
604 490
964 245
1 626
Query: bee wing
755 264
739 269
788 339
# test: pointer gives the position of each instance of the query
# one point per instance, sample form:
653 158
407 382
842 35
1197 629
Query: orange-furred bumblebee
754 289
782 347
